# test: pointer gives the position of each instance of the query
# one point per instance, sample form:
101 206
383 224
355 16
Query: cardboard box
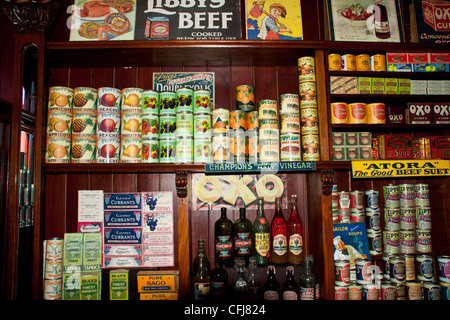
159 296
119 284
395 146
440 147
92 251
396 115
441 113
91 286
73 252
158 281
418 113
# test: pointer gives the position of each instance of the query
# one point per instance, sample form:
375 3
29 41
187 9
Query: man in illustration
270 25
346 252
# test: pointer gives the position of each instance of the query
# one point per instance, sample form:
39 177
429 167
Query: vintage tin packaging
185 100
372 219
423 241
407 218
108 150
440 147
334 62
309 121
289 103
202 125
52 289
348 62
371 292
150 150
354 291
245 98
371 199
220 148
413 290
357 113
84 122
238 120
131 99
52 269
237 146
108 124
375 242
269 150
363 271
109 99
60 97
290 149
342 272
376 113
362 62
339 113
306 69
310 147
59 123
85 99
157 281
220 120
357 215
252 120
340 293
391 241
268 109
54 248
443 268
252 151
167 126
167 150
423 217
391 196
356 200
431 291
184 150
407 241
407 195
185 125
397 270
267 133
150 126
308 94
167 103
424 267
157 28
290 123
388 290
58 150
378 62
421 148
202 101
202 150
83 148
130 149
150 102
410 268
392 219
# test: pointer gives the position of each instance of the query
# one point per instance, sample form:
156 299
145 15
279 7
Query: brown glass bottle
278 235
295 235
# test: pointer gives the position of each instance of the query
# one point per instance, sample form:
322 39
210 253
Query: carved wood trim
181 183
327 177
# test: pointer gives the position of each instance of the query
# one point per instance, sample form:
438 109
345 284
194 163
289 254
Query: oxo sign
437 14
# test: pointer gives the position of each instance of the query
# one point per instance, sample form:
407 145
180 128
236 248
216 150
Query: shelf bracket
327 178
181 183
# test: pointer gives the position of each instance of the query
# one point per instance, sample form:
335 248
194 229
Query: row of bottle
280 242
213 285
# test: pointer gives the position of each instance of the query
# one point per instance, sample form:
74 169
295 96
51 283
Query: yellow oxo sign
400 168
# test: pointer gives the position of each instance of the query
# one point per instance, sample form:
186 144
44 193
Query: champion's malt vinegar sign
400 168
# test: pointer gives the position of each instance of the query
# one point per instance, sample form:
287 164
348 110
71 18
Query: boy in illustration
270 25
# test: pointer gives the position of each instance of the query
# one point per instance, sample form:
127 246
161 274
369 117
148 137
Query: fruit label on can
238 120
245 98
150 150
168 103
220 120
59 124
185 97
201 126
185 124
289 103
150 102
131 124
309 121
167 126
130 149
310 147
60 97
58 150
109 99
252 120
306 69
131 98
84 122
202 150
308 94
290 147
184 150
290 123
167 150
83 148
85 99
220 148
107 150
150 126
108 124
202 101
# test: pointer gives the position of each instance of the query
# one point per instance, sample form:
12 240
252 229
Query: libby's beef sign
188 19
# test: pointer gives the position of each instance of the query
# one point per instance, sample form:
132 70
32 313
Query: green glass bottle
243 246
261 236
223 235
201 273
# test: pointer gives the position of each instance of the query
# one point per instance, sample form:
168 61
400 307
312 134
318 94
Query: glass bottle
201 275
240 286
252 280
219 283
308 280
261 236
278 235
271 287
291 289
223 238
243 247
382 30
295 234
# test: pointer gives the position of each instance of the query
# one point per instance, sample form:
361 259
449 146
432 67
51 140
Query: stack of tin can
269 131
53 269
308 109
290 141
150 126
59 125
131 126
108 125
220 136
202 127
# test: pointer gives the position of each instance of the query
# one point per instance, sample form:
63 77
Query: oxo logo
420 109
441 109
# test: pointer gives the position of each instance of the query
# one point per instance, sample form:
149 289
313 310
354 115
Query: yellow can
348 62
362 62
267 109
339 113
220 120
83 148
60 97
378 62
357 113
334 62
306 69
310 147
376 113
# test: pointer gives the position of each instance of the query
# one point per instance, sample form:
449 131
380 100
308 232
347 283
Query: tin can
202 150
167 126
167 150
410 268
376 113
375 242
334 62
391 196
289 103
150 102
443 268
309 121
252 120
108 149
356 200
423 218
431 291
290 147
423 241
108 124
339 113
238 120
238 146
220 120
344 201
407 218
83 148
445 290
388 290
268 124
357 215
357 113
245 98
424 267
131 124
59 123
267 109
130 149
60 98
397 269
407 241
362 62
348 62
85 99
52 289
150 150
185 125
306 69
373 221
407 195
53 269
54 248
372 201
266 133
354 291
84 122
342 272
340 293
109 99
167 103
392 219
252 151
58 150
131 99
269 150
401 291
413 290
378 62
157 28
220 148
421 148
363 271
422 195
385 266
308 94
343 217
391 241
184 150
310 147
202 125
290 123
150 126
371 292
185 98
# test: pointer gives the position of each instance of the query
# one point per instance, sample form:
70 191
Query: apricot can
59 123
58 150
60 97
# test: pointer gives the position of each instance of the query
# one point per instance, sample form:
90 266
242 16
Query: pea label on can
168 103
202 101
131 98
185 98
108 149
150 150
220 120
185 124
245 98
150 102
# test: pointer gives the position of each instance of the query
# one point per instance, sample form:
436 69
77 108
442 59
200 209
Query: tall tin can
220 148
83 148
167 150
185 125
185 100
306 69
220 120
150 102
397 269
245 97
131 99
167 103
443 268
308 94
60 97
334 62
202 101
85 99
310 147
109 99
150 150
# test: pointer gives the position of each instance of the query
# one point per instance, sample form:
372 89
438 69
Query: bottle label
270 295
262 243
243 243
290 295
382 26
296 244
201 290
224 245
279 244
306 293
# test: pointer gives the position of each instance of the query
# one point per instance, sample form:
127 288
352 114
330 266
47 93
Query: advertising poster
365 20
430 21
350 242
273 20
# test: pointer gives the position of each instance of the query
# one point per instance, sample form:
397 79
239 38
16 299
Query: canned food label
85 98
167 150
167 103
109 99
290 123
185 124
290 147
59 124
310 148
306 69
184 150
309 121
269 150
83 149
53 269
60 97
357 113
108 150
334 62
185 98
238 120
339 112
130 149
150 102
150 150
108 124
201 126
220 148
58 150
289 103
167 126
252 120
267 109
150 126
308 94
220 120
245 98
131 98
202 101
202 150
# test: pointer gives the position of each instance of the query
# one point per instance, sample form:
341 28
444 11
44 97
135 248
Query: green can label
167 126
202 101
168 102
167 152
185 124
150 102
150 151
184 152
185 97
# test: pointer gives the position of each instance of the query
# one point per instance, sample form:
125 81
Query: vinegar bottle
295 235
382 30
243 237
261 236
278 235
223 235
